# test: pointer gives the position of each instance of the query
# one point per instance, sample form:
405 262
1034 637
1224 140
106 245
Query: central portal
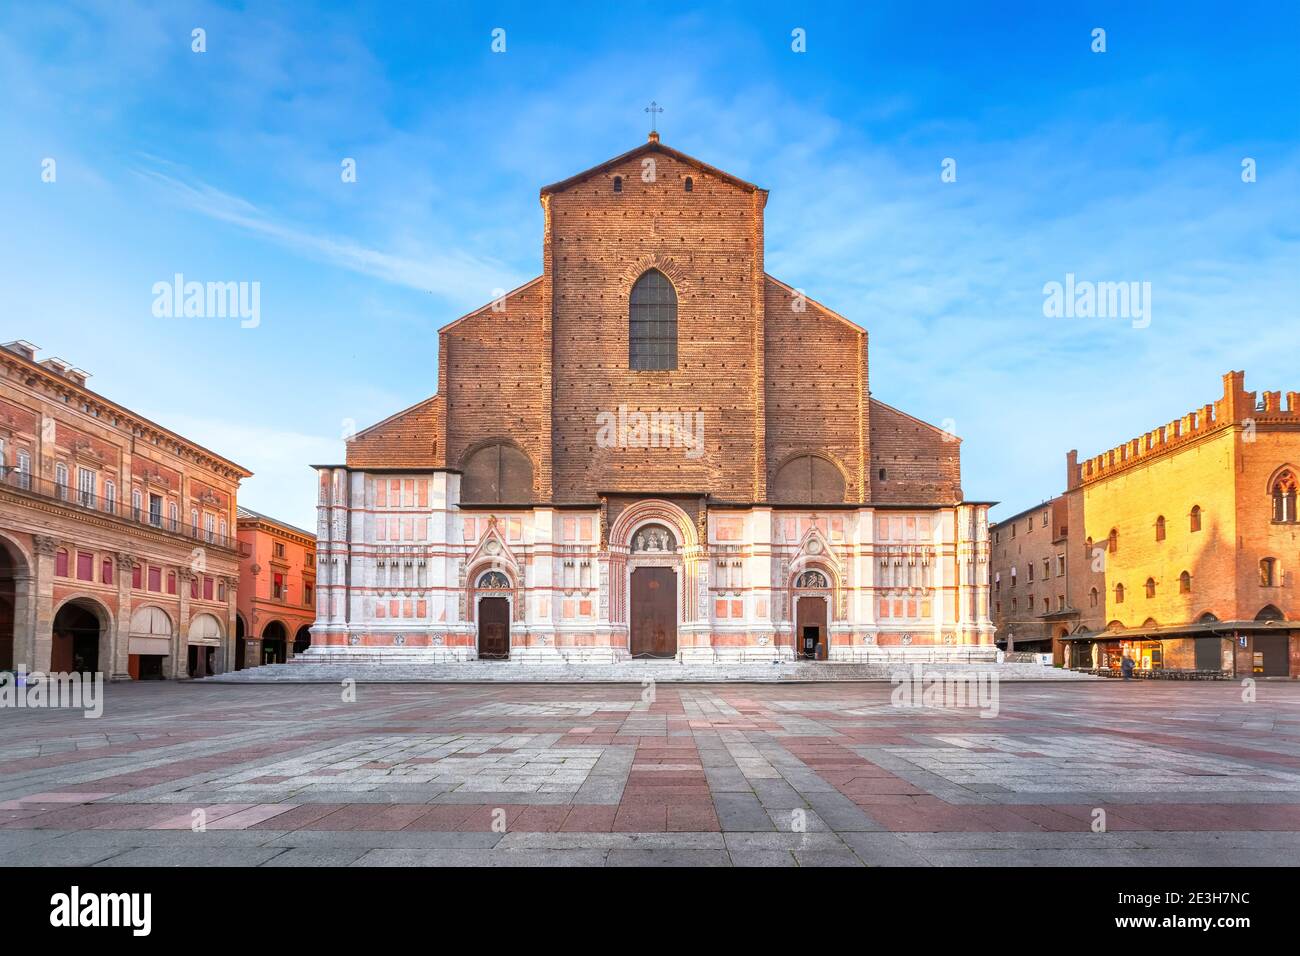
654 612
494 629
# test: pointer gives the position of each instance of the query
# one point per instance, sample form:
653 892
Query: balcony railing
118 508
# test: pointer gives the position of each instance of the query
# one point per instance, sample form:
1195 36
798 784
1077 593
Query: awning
1212 629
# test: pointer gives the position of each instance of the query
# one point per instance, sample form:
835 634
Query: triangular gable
653 146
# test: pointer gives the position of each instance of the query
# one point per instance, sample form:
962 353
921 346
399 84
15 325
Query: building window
61 481
1119 594
690 185
1047 568
155 580
223 531
1060 565
1284 497
174 516
1044 519
1185 583
1030 568
618 184
86 488
106 571
85 566
1151 587
136 579
1112 542
279 549
155 510
24 470
61 563
208 528
207 589
308 594
277 587
1092 597
1195 518
1160 528
171 582
110 497
221 590
137 502
1268 572
652 328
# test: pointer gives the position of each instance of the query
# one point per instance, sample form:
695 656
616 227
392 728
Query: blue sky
225 165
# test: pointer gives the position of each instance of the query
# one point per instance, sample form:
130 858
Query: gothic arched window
1194 519
1185 583
652 323
1284 497
1160 528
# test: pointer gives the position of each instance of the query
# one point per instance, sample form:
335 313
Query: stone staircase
367 669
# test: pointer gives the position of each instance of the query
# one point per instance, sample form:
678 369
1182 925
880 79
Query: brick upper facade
774 374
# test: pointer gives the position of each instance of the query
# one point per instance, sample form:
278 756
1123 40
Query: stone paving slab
692 775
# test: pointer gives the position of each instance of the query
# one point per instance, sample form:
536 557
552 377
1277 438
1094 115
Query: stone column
180 646
42 641
228 645
122 565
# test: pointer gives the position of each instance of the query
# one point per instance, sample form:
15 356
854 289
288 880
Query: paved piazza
716 774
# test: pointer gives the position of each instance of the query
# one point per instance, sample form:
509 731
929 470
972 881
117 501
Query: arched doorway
10 563
812 615
80 627
493 613
301 640
275 640
149 643
205 636
239 642
653 592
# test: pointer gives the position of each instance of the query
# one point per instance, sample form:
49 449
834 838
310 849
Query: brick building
277 590
1029 571
116 546
652 449
1181 546
1192 529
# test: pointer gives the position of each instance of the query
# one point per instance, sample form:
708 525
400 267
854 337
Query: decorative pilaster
42 645
123 564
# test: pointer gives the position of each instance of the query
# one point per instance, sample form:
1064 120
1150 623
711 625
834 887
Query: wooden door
654 612
494 629
810 623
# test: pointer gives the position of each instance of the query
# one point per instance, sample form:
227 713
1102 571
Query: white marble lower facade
404 572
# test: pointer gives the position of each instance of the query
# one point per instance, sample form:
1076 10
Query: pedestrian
1126 666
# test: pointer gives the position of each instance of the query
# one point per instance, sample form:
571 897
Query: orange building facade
117 552
277 590
1179 548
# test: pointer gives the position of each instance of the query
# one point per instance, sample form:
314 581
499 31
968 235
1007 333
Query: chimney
25 349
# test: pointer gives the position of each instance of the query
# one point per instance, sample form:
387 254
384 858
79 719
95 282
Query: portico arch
15 605
82 635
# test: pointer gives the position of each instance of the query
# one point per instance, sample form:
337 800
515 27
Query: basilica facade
653 449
